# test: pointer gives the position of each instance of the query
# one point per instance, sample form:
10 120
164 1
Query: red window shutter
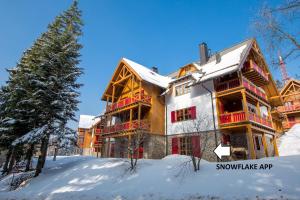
193 112
173 117
174 145
196 146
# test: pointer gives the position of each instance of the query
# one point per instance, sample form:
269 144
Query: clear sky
163 33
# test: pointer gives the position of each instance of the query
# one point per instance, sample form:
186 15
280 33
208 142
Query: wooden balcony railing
261 120
254 89
128 101
289 108
252 65
127 126
240 116
290 124
234 83
228 85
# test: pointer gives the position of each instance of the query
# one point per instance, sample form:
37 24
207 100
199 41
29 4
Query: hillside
91 178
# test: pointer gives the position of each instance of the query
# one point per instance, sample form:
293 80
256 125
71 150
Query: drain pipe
213 114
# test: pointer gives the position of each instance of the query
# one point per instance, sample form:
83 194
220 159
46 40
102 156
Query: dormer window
182 89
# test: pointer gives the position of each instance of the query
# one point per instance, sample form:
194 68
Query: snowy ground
289 143
91 178
78 177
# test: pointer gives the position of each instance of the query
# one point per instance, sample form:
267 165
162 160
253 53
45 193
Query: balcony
235 83
255 73
240 116
290 124
254 89
289 108
129 101
127 126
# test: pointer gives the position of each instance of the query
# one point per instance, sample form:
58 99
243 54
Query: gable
291 88
188 69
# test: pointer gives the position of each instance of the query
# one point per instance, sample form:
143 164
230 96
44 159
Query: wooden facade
290 94
132 106
245 100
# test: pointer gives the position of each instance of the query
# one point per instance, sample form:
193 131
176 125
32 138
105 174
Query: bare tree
279 29
199 127
135 144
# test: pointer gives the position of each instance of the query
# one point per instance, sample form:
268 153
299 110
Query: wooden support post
251 147
113 95
258 109
275 146
245 106
265 144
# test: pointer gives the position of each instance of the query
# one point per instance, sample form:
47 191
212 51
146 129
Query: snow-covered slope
289 143
92 178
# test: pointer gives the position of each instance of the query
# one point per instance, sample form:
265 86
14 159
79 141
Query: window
185 146
183 114
189 145
257 143
182 89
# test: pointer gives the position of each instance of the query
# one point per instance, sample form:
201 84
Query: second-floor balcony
289 108
235 83
127 126
240 116
146 99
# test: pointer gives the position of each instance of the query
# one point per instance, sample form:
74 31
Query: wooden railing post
250 142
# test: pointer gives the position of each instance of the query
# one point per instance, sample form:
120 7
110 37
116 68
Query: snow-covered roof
86 121
230 61
148 75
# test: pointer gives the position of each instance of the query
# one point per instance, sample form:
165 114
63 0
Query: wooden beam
121 80
275 146
244 102
250 142
265 144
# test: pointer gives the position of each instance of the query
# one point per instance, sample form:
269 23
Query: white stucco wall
198 97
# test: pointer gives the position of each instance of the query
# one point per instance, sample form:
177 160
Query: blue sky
162 33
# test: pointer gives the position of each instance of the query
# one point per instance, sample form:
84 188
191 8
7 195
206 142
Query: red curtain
173 119
196 146
174 145
112 150
193 112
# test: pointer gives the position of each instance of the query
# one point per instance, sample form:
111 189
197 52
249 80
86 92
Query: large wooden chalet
243 100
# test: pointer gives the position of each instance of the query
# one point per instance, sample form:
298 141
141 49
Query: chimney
155 69
218 57
203 53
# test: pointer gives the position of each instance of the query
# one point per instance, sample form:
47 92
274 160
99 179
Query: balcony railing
128 101
290 124
254 89
98 131
127 126
240 116
289 108
261 120
252 65
228 85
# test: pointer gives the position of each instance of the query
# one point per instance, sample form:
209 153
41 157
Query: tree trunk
55 153
5 166
42 157
29 155
12 160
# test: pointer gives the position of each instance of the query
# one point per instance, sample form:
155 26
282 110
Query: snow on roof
86 121
230 61
148 75
289 142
